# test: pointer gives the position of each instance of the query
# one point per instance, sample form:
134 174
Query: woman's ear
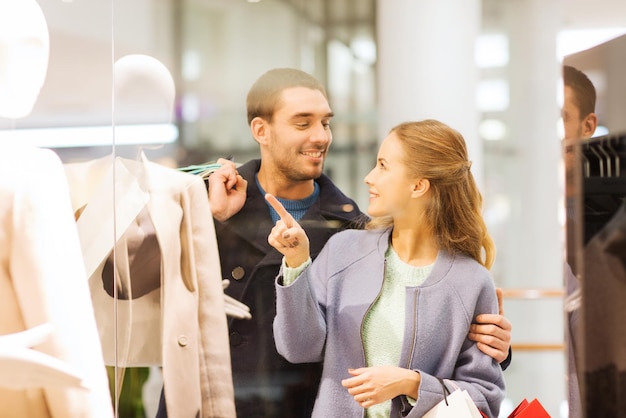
259 129
420 187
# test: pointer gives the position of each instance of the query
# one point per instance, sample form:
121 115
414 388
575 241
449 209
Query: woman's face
390 187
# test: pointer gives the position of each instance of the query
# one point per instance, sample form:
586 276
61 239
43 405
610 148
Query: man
289 116
579 102
579 123
578 114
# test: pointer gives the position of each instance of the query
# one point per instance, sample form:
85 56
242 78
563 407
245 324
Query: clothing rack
604 180
604 156
603 280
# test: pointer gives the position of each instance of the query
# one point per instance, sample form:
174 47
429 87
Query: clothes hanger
606 157
615 154
604 186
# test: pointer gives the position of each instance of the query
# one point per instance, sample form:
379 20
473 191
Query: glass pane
213 52
134 280
55 101
595 147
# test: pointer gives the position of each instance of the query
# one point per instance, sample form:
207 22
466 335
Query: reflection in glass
596 186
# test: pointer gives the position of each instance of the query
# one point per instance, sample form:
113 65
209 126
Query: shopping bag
527 409
457 404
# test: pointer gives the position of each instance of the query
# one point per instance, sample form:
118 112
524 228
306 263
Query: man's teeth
313 154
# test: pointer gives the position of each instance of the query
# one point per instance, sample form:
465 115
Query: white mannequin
144 91
48 334
149 199
24 49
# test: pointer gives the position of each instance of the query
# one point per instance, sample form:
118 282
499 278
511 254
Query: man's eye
326 124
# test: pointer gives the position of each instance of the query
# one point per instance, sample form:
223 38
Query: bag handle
446 391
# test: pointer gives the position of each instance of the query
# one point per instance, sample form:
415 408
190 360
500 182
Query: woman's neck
415 246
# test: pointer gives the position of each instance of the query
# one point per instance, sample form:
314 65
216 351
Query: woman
388 308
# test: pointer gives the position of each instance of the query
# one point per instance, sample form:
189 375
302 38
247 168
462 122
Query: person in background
579 101
578 113
289 117
579 123
388 309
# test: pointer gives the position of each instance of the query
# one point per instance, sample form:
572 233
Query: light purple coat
320 318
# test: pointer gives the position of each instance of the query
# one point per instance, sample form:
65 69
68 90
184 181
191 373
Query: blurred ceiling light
492 129
192 67
92 136
492 50
492 95
364 49
498 210
190 107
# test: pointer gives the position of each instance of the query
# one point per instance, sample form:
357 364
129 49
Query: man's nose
321 133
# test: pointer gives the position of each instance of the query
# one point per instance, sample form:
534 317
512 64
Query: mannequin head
24 51
144 91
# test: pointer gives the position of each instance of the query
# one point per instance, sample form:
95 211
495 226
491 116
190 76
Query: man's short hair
264 95
584 90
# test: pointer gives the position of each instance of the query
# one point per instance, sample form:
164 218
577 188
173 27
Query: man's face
299 135
576 128
572 121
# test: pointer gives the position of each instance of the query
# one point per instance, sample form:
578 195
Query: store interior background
489 68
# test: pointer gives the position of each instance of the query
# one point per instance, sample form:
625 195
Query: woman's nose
367 178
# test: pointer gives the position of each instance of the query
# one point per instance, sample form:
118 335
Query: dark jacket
266 385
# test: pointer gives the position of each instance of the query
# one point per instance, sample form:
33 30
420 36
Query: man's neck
284 188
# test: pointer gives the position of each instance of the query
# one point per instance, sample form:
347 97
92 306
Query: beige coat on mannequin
43 281
181 325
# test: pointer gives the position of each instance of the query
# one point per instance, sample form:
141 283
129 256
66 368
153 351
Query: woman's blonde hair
438 153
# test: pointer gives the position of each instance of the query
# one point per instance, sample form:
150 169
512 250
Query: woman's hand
287 236
372 385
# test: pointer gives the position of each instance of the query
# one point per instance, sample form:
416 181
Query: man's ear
589 125
420 187
260 129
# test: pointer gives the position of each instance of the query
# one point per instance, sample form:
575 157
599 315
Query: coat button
235 339
182 341
238 273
